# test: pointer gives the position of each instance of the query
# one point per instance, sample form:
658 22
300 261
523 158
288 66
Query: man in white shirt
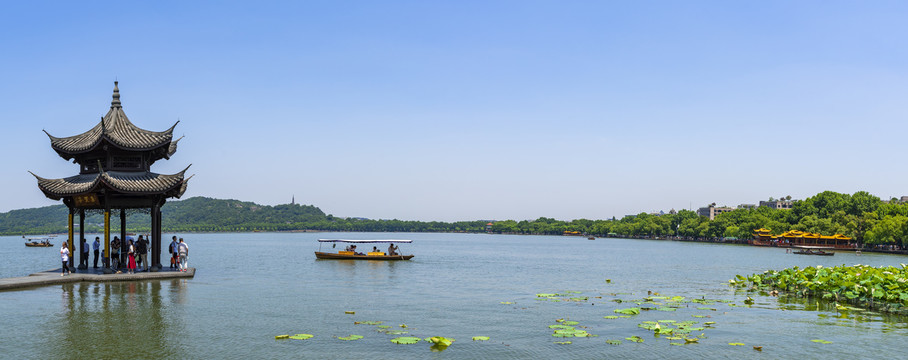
96 246
183 250
64 255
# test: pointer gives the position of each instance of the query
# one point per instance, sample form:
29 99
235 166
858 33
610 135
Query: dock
52 277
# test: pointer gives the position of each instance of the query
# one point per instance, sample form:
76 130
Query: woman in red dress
131 265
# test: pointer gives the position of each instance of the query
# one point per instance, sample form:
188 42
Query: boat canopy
365 241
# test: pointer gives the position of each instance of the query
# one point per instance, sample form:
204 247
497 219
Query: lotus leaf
403 325
397 332
480 338
666 321
706 308
666 309
610 317
736 344
691 340
758 348
405 340
673 337
506 302
302 336
570 322
821 341
383 326
438 340
563 342
628 311
613 342
560 327
351 337
635 338
367 322
709 323
546 295
281 337
350 312
700 316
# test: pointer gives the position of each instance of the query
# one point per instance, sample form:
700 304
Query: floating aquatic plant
880 288
302 336
438 340
281 337
567 322
563 342
367 322
821 341
736 344
610 317
635 338
628 311
405 340
480 338
351 337
350 312
613 342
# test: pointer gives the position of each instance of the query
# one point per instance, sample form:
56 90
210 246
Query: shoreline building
115 159
777 204
711 211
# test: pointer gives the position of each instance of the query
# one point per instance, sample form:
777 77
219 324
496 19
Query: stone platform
52 277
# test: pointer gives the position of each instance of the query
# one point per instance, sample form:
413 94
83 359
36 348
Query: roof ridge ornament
115 103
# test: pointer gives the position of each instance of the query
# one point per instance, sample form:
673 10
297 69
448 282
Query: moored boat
813 252
350 252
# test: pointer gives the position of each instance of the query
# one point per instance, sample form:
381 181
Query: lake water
251 287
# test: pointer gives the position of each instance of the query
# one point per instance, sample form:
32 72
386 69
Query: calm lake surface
251 287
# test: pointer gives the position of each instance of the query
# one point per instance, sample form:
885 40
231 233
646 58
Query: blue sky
467 110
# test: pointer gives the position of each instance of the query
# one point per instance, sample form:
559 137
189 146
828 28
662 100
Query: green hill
193 214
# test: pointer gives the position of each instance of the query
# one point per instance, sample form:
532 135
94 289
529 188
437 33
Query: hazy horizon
472 110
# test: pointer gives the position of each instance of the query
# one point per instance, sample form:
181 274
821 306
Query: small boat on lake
351 253
38 242
813 252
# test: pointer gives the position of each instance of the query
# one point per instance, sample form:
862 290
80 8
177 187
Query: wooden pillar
69 240
82 236
123 246
156 236
106 239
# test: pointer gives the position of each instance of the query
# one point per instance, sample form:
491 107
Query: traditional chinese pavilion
115 159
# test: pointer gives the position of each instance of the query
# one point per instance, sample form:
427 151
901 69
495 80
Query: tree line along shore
871 221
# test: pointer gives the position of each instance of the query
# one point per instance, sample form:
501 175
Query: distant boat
38 242
591 238
354 255
814 252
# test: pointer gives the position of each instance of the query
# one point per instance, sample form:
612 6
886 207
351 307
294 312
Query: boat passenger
392 250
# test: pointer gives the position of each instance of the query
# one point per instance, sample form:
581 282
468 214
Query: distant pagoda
115 159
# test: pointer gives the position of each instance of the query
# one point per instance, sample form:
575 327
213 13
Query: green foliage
883 288
861 216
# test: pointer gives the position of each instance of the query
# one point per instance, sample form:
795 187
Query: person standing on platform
131 263
183 250
115 253
142 249
96 246
83 260
64 255
173 252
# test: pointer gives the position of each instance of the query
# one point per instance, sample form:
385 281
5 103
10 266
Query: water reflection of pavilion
115 159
